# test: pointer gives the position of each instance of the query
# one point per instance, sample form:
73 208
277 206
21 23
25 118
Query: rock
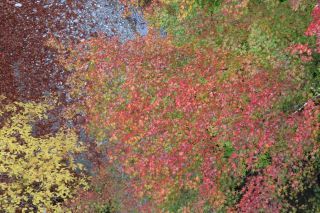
18 4
140 24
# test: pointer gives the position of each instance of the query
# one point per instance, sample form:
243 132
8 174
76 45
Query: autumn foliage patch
218 112
180 122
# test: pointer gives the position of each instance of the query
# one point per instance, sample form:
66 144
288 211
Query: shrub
36 173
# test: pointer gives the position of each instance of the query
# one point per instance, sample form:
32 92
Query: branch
315 99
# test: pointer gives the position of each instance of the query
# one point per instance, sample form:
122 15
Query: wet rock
87 163
163 32
138 21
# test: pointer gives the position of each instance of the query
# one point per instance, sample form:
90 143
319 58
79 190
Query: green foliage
37 172
180 199
106 208
263 160
181 60
230 187
169 20
262 45
291 102
176 115
313 75
210 6
228 149
306 198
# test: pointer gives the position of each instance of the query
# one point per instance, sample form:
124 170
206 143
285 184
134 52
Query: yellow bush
35 173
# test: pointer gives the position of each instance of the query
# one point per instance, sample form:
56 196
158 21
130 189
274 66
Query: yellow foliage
35 171
185 6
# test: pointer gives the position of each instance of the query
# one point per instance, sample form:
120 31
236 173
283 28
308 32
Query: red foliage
314 27
258 194
302 50
179 118
263 191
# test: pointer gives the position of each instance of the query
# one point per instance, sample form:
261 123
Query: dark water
29 69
